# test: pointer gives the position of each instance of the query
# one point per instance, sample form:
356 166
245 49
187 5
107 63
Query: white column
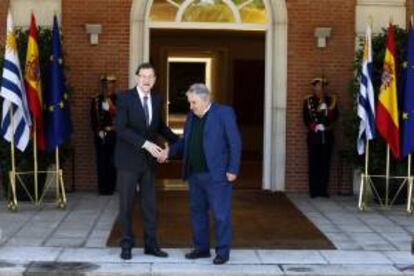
136 37
279 98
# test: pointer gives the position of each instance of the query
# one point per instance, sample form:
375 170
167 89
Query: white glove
105 105
101 134
152 148
323 106
319 127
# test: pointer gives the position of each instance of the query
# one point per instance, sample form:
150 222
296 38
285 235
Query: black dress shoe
219 260
156 251
197 254
126 254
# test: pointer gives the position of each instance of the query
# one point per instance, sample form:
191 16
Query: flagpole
60 194
364 179
12 174
410 179
387 176
57 172
410 186
36 169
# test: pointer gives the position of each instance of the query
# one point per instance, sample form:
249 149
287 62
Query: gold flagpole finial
412 20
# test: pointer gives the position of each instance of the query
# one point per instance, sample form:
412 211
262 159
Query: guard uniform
319 114
103 125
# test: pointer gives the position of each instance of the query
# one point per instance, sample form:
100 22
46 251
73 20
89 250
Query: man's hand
153 149
164 154
231 177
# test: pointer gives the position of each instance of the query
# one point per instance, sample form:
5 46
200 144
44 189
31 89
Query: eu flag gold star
405 116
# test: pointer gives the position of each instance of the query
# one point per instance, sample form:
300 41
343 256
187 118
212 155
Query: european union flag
407 103
58 124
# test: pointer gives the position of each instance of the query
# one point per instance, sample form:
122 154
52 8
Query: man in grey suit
138 124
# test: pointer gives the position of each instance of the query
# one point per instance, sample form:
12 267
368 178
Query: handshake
157 152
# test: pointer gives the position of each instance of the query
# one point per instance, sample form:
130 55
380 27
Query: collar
142 94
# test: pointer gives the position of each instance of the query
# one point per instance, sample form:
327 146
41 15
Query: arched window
219 11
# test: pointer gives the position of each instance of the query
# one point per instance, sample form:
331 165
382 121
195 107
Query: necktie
146 111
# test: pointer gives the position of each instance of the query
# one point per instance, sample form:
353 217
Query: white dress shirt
141 97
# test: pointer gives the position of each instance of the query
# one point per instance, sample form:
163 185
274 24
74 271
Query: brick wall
4 4
305 61
87 62
410 9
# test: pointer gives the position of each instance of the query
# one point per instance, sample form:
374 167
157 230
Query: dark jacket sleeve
233 139
307 117
167 133
124 132
178 147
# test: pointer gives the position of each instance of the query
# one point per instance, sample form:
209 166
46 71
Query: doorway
183 72
232 65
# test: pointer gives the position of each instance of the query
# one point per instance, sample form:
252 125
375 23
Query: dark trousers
105 166
319 158
205 195
127 183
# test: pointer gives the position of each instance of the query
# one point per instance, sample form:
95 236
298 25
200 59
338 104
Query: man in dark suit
212 147
138 124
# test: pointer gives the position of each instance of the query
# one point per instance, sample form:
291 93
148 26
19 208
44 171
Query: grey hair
200 89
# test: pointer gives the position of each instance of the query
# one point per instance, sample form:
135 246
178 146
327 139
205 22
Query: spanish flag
387 105
33 83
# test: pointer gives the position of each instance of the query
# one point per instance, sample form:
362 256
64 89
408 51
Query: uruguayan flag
14 95
366 107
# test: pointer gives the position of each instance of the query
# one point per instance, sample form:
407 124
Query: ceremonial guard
103 125
319 113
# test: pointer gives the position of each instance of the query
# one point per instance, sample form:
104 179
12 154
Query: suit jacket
221 142
132 131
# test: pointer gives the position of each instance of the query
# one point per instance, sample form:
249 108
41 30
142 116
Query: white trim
181 10
234 9
136 34
244 4
187 3
279 93
207 61
389 3
206 26
267 122
173 3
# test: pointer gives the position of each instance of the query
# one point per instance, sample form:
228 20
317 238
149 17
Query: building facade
281 45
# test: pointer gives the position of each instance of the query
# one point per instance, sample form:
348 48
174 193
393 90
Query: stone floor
48 241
